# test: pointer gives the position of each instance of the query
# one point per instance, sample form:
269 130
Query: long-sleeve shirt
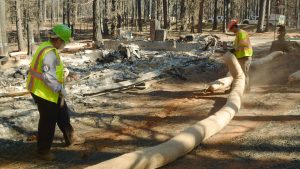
50 62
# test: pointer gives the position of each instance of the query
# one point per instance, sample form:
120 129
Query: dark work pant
50 115
245 63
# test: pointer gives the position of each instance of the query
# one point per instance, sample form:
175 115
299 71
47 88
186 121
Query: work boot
47 156
75 140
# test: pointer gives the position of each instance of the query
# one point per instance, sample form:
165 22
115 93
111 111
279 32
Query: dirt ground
264 134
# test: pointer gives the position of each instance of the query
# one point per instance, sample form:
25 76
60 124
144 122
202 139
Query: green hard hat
63 32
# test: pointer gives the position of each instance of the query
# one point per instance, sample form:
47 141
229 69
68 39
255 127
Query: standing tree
158 5
120 19
232 9
97 36
215 20
3 35
30 39
246 9
139 7
226 17
44 10
176 13
183 15
21 43
165 11
65 11
57 10
132 14
226 14
52 13
297 13
113 17
127 14
40 19
153 9
73 15
28 19
68 12
268 14
201 11
191 9
105 18
261 19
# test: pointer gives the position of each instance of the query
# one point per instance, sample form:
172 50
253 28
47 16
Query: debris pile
113 68
207 41
129 51
12 80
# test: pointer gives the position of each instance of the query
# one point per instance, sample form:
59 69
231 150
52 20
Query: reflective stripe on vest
31 82
36 75
247 52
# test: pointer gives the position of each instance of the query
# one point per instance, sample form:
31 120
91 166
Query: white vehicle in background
274 19
252 21
219 19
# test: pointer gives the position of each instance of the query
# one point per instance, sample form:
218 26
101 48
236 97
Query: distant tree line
27 18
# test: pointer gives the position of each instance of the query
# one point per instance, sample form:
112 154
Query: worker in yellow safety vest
46 84
242 49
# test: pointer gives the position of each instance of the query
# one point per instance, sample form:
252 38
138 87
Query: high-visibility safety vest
35 83
242 45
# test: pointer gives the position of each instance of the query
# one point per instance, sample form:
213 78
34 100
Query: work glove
63 92
232 50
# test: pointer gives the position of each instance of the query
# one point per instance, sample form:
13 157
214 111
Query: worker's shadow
12 150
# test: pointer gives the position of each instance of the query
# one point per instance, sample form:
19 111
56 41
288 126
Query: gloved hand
63 92
232 50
